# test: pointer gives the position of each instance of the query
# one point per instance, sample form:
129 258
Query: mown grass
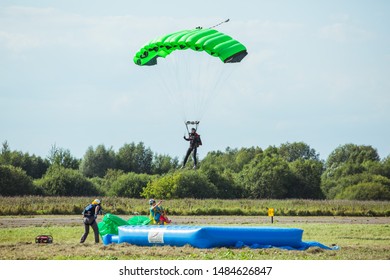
356 241
37 205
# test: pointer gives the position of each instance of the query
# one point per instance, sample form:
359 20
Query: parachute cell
211 41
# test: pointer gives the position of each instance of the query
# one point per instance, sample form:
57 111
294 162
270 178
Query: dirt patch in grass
75 220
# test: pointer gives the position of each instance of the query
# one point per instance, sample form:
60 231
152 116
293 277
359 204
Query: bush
365 191
60 181
186 184
193 184
266 177
14 181
162 187
339 188
226 186
129 185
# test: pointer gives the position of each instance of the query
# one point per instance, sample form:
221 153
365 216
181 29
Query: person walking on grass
89 219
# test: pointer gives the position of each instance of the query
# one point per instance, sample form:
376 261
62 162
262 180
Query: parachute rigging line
194 75
192 122
222 22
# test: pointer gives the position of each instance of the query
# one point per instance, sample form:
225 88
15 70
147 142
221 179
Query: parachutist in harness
89 219
195 142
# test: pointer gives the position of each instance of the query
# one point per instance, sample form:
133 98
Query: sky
316 72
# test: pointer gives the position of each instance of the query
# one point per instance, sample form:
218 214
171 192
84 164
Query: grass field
360 228
38 205
365 239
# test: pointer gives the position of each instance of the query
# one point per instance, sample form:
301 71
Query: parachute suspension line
198 90
192 85
169 87
199 77
170 73
191 88
217 80
224 76
189 75
184 71
208 71
199 82
192 122
185 75
186 123
211 27
218 24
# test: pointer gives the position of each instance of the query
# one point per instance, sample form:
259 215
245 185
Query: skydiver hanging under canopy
195 142
207 40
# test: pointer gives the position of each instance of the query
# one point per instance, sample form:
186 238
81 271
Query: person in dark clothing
195 142
89 219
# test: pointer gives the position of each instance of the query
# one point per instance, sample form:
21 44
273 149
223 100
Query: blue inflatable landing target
212 237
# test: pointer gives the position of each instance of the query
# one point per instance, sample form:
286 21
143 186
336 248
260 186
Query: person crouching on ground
158 213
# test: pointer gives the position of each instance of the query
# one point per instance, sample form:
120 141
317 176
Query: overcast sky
316 71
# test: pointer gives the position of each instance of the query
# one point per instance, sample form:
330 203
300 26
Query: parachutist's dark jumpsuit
90 215
195 141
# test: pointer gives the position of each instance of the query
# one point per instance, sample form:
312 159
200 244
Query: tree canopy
291 170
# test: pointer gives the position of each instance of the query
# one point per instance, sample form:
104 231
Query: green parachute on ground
111 222
209 40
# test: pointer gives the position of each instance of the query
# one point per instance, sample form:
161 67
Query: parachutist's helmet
151 201
96 201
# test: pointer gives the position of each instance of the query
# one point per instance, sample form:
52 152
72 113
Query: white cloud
120 103
268 31
18 42
25 12
24 28
340 17
343 32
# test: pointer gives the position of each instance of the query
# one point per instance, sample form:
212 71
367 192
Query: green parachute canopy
111 222
210 40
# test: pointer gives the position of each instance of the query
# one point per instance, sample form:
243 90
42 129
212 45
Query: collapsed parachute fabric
211 41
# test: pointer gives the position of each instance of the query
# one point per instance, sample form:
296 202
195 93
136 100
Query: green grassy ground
37 205
356 241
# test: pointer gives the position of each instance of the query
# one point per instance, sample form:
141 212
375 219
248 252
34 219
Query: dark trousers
193 150
90 222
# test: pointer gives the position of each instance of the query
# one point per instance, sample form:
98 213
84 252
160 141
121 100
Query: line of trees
292 170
